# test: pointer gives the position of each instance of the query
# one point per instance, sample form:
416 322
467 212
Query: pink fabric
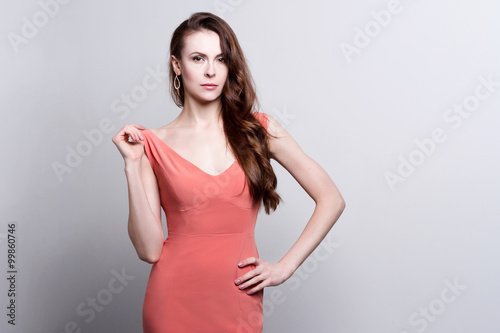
210 222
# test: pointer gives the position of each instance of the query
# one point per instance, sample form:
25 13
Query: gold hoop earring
177 82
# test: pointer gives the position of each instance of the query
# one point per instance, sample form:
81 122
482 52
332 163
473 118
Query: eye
197 58
221 59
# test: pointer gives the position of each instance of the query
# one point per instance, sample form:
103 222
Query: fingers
248 261
263 275
259 287
243 263
255 276
244 281
258 282
129 133
129 142
134 132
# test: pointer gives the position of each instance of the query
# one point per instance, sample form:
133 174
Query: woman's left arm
329 206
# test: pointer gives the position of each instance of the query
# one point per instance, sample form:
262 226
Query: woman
210 171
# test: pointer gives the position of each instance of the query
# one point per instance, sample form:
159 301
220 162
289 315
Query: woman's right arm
144 221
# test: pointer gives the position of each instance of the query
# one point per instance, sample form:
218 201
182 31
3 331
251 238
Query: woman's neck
199 115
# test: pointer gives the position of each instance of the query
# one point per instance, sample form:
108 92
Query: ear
176 64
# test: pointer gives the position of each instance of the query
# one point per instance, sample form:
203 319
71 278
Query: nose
210 70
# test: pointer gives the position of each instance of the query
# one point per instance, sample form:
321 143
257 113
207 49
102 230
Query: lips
209 86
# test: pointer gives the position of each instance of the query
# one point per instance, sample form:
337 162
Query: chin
209 99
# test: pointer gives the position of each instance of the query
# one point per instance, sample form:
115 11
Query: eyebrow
203 54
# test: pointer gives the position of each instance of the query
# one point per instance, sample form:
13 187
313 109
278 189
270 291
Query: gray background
389 262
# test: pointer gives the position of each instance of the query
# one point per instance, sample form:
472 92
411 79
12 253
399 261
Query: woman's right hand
130 151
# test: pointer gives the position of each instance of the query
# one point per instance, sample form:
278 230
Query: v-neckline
189 162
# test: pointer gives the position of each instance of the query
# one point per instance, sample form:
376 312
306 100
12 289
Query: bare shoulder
281 142
164 131
308 173
274 127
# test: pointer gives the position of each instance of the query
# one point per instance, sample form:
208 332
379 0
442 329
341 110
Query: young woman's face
202 66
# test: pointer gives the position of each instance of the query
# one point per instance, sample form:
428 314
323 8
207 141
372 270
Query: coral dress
210 222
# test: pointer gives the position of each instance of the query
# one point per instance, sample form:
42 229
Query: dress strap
262 117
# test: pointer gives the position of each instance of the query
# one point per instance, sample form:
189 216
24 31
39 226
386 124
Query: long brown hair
247 138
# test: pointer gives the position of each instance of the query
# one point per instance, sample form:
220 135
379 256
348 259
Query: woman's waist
201 234
211 245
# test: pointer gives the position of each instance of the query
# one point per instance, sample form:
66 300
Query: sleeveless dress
210 222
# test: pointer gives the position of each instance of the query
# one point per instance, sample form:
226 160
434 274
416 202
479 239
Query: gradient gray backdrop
398 101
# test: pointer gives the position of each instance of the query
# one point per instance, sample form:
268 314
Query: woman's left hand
263 275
